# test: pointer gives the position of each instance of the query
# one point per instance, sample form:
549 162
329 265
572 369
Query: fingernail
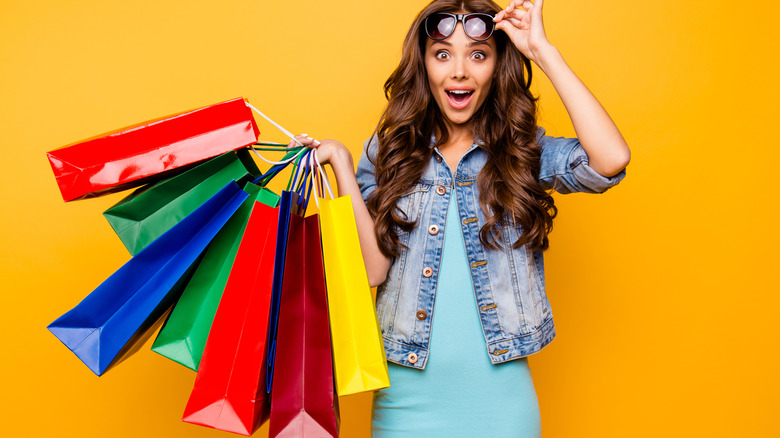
309 138
316 143
304 135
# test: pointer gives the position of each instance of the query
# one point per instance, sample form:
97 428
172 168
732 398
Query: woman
458 150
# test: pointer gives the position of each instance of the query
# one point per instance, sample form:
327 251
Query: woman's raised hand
524 27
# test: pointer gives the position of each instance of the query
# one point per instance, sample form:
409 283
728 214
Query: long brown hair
506 123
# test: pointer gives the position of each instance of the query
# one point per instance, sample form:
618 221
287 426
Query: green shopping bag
150 211
183 337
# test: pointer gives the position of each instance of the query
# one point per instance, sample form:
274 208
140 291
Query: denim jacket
508 283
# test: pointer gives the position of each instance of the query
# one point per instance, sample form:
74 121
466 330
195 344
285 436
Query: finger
538 9
511 6
508 27
517 23
498 17
301 140
517 13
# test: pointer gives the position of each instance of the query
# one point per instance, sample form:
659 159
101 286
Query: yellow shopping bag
359 357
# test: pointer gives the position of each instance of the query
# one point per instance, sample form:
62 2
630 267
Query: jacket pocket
410 204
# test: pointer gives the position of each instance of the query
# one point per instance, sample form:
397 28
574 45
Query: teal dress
459 393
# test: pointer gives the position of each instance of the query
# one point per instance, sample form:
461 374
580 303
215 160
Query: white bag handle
286 132
317 167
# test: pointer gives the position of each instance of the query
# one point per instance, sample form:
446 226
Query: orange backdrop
663 288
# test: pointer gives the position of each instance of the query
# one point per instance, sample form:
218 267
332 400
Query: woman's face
460 72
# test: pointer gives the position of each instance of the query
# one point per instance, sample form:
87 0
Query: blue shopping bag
106 323
291 203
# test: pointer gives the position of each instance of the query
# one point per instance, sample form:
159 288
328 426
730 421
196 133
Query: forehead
459 40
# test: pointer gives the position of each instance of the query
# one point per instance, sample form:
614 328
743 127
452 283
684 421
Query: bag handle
312 167
316 168
265 178
278 126
301 180
278 165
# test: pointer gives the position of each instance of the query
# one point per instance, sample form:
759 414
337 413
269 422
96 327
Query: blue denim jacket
508 283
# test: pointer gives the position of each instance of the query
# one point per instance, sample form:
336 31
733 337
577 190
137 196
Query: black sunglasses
441 25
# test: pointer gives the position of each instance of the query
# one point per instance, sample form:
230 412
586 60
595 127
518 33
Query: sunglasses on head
441 25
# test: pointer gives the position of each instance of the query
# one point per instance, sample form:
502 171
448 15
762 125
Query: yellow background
664 289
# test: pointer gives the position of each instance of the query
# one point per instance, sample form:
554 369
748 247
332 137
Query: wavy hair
506 122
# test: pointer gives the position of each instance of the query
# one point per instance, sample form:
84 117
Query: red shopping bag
133 155
303 400
229 392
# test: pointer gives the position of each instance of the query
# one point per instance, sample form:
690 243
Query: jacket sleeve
365 169
565 169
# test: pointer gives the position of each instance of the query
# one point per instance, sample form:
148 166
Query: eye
479 56
442 54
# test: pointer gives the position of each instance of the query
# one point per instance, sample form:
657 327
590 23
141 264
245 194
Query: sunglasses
441 25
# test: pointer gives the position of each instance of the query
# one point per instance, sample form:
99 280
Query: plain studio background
663 289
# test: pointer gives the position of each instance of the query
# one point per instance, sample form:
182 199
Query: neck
460 133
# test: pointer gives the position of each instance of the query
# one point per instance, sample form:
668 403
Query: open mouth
459 98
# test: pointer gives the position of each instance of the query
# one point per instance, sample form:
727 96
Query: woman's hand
340 160
329 151
524 27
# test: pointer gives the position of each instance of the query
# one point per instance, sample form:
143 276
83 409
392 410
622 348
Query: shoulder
365 173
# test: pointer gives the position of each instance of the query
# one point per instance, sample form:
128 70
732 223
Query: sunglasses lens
440 26
478 27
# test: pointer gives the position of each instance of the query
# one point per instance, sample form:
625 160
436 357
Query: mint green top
459 393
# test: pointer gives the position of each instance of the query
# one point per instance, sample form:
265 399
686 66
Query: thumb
538 5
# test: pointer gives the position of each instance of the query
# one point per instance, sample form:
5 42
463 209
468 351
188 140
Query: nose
459 69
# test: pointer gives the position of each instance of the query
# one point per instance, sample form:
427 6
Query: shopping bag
105 323
288 205
183 337
137 154
229 392
303 402
359 358
150 211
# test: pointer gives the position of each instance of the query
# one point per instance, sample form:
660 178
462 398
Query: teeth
459 91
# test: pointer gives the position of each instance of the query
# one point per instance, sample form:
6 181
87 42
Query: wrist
545 56
341 158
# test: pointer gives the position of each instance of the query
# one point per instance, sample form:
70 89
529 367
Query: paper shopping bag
152 210
183 337
101 326
303 402
137 154
289 205
358 349
229 392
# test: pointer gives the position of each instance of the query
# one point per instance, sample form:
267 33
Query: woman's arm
607 151
340 160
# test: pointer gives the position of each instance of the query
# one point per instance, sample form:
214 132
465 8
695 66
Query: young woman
453 206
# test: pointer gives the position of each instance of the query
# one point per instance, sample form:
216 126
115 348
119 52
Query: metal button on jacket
422 314
412 358
427 272
433 229
438 158
441 190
